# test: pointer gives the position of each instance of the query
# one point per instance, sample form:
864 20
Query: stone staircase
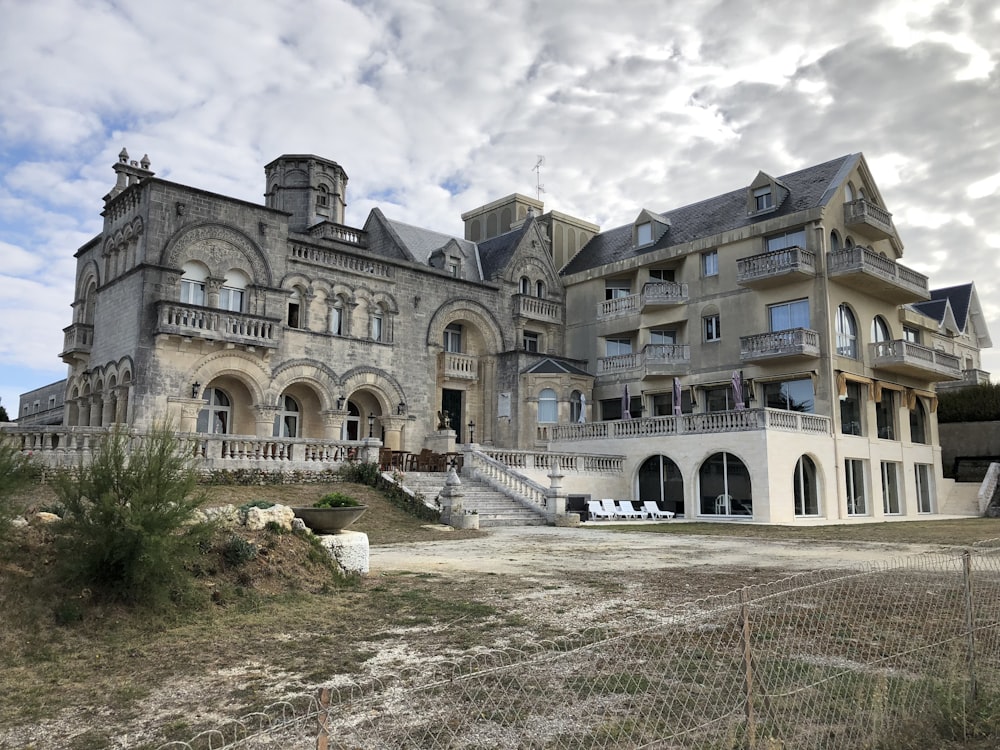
494 508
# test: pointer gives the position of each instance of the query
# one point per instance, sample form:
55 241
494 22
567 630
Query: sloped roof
960 299
421 243
496 252
809 188
549 366
934 308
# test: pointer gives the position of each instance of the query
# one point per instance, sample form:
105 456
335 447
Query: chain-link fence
822 660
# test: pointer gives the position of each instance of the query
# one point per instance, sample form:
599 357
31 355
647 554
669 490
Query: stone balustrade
775 263
460 366
790 342
535 308
193 321
656 293
504 479
580 463
865 214
343 261
864 260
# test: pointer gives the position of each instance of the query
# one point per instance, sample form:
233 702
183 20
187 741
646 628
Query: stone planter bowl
329 520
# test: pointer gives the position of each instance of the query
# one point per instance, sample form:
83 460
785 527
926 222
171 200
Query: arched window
286 421
548 406
661 482
848 193
918 422
322 197
539 288
847 333
337 317
377 324
294 309
577 408
725 486
880 329
231 296
193 283
834 241
805 488
525 285
89 303
215 416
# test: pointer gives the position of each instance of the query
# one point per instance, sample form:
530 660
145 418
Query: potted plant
331 513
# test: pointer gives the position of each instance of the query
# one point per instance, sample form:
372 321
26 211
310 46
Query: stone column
121 404
264 420
212 287
555 500
108 409
393 427
190 409
369 451
333 423
452 506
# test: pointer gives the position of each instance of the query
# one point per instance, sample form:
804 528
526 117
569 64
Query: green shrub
237 551
336 500
129 531
262 504
16 472
362 472
978 403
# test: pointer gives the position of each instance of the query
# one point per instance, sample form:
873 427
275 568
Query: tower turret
309 188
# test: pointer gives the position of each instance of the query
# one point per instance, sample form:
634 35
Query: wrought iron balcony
776 267
77 340
457 366
868 219
534 308
864 269
907 358
788 344
192 321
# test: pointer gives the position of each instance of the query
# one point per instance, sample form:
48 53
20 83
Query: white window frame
857 487
453 338
792 312
763 199
892 503
923 475
548 406
643 233
711 326
710 263
616 347
530 341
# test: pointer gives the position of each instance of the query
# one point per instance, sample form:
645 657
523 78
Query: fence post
747 668
970 624
323 718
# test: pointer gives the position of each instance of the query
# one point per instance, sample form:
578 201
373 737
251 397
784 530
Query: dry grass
283 623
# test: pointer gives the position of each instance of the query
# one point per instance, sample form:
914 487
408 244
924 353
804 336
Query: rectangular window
662 336
643 233
925 488
611 408
710 263
762 199
663 403
790 395
911 334
885 415
890 488
719 399
851 408
662 274
712 327
293 315
857 500
336 321
377 330
787 315
192 292
231 299
617 288
614 347
453 269
530 341
453 338
786 240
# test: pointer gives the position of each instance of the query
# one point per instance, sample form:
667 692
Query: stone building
756 355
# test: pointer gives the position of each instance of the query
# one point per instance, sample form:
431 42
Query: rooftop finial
123 156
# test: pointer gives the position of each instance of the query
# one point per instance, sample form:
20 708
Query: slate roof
549 366
421 243
960 299
934 308
808 188
496 252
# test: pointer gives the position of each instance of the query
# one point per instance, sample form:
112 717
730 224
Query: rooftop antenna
537 169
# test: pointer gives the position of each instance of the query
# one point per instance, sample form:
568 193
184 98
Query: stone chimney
129 173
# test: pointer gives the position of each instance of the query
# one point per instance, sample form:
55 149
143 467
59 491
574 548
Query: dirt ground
543 550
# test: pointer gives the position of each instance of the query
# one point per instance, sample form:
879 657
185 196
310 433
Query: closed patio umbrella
738 391
626 411
677 397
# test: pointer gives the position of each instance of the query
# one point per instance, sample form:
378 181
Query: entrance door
451 404
660 481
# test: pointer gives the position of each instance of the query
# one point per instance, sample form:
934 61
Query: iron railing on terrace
745 420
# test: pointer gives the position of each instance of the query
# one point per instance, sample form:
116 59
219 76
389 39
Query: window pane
547 406
644 234
851 409
890 488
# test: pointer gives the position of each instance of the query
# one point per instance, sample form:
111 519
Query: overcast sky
437 107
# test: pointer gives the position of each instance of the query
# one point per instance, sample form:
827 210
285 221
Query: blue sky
439 106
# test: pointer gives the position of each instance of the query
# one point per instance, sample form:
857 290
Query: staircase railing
505 480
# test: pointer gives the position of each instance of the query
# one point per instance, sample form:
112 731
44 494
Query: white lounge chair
597 511
653 510
609 507
627 510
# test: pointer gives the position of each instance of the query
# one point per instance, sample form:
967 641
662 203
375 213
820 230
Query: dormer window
643 233
763 198
648 228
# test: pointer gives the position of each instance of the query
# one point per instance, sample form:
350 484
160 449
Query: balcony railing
868 219
611 308
918 361
864 269
77 339
663 293
619 363
344 261
537 309
459 366
653 360
776 267
193 321
745 420
793 342
969 377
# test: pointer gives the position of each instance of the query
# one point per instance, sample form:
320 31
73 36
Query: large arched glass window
918 422
232 294
215 415
880 329
847 333
805 488
286 421
548 406
193 283
661 482
724 486
834 241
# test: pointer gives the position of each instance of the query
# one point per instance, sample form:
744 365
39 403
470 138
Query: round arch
457 310
724 486
216 244
660 480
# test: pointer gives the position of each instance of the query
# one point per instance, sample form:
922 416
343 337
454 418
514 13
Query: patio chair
627 510
609 507
653 510
596 511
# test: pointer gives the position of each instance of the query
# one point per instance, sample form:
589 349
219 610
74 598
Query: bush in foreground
129 530
16 472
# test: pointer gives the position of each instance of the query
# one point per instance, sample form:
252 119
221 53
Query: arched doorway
724 486
660 481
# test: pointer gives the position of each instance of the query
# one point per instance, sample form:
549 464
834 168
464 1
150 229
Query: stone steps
493 508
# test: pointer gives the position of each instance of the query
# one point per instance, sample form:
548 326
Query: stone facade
751 356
